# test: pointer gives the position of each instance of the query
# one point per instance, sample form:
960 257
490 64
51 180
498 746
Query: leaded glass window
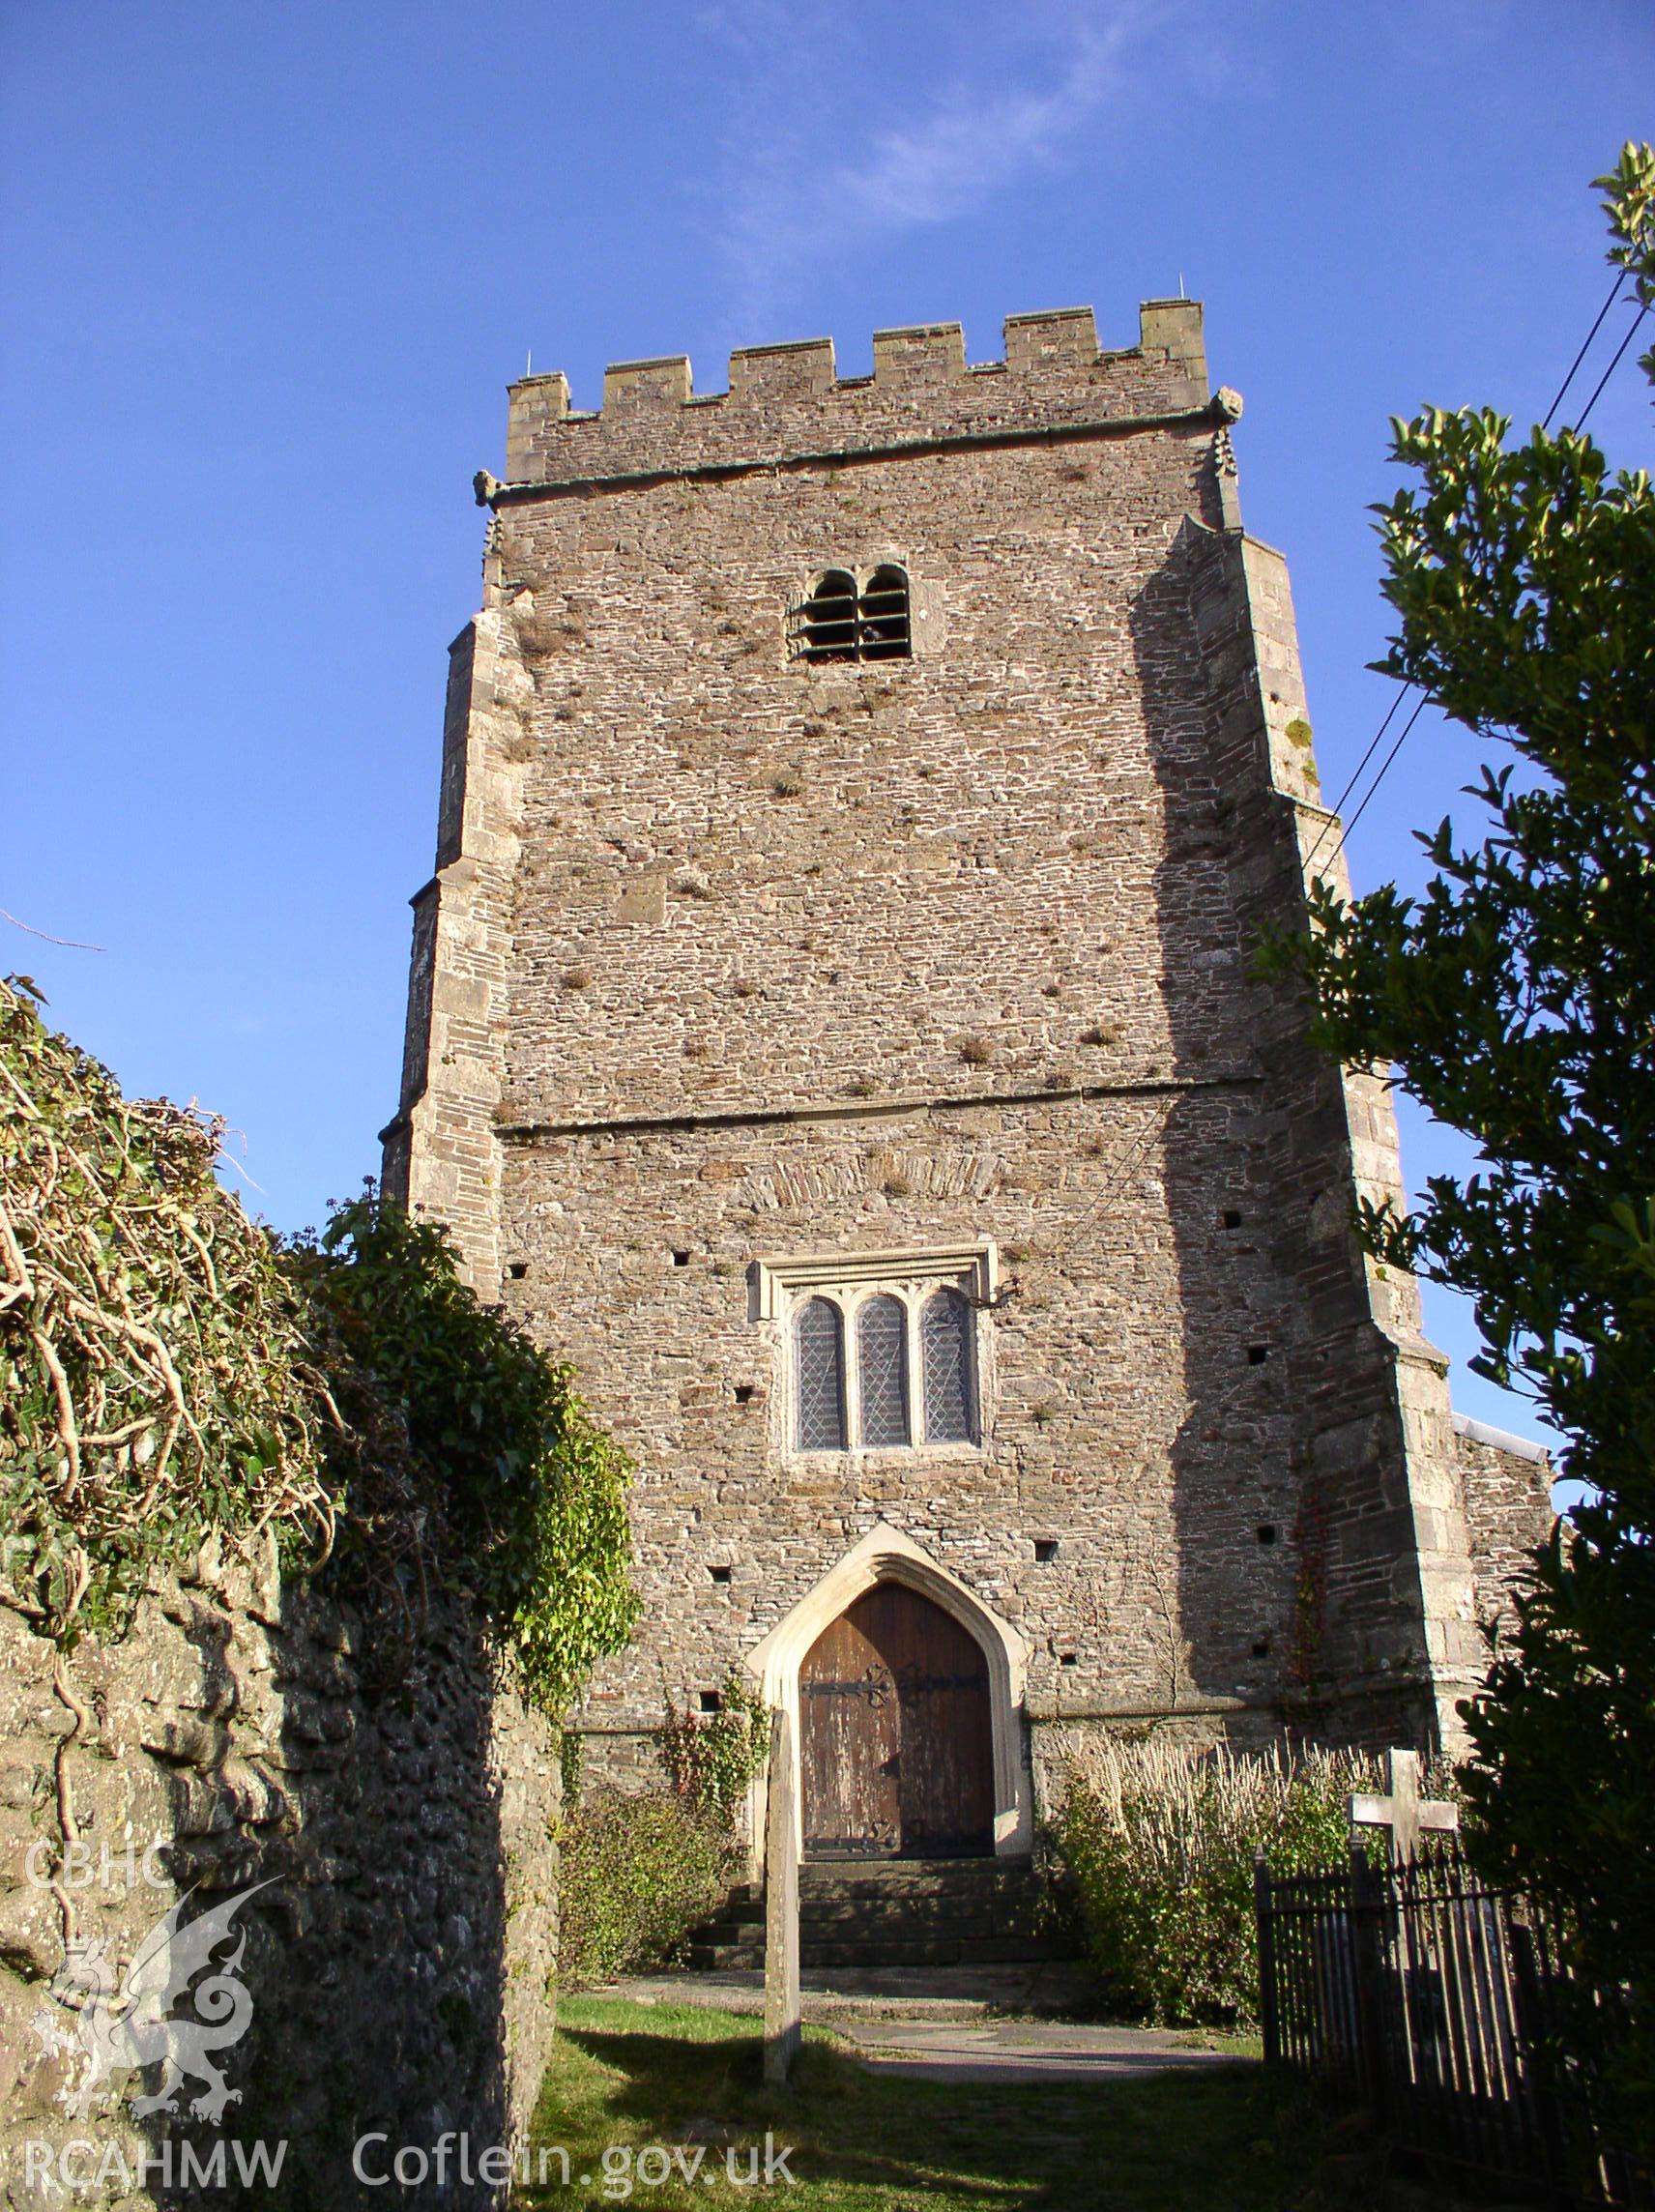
820 1342
883 1364
945 1353
881 1361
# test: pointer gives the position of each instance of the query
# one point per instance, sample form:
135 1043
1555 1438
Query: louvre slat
848 623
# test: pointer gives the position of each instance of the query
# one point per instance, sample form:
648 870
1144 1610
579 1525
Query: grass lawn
626 2078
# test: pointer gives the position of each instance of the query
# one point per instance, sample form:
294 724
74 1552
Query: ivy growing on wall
711 1758
532 1491
169 1372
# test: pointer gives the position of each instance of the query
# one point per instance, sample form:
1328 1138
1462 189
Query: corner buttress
1399 1644
441 1152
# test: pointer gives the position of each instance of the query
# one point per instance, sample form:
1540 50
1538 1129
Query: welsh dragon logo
120 2023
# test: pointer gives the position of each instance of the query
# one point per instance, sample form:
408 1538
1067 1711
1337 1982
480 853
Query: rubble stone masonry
731 957
391 1829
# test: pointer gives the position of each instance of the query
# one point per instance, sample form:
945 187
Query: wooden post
1263 1911
1534 2023
783 2010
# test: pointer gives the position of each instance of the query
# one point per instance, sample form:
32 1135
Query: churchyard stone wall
398 1962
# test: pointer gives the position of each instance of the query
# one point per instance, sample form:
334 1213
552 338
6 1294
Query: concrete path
1054 1989
953 2023
1026 2050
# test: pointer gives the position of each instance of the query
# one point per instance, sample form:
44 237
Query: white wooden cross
1404 1812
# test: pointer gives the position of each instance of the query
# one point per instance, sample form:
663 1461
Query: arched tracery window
820 1358
842 620
881 1363
881 1351
945 1354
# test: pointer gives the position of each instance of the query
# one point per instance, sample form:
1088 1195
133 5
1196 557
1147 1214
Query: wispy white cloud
808 176
973 142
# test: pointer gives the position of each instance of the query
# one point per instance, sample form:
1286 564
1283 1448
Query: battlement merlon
787 403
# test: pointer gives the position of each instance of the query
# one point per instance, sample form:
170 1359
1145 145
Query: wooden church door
895 1742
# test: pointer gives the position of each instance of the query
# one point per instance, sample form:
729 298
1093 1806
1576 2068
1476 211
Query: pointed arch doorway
884 1555
896 1743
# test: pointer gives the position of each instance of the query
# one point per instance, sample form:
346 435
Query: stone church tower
831 1027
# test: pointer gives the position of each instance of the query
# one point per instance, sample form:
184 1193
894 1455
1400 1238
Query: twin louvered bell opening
844 621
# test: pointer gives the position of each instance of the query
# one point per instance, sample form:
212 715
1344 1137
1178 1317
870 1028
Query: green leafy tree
1516 1000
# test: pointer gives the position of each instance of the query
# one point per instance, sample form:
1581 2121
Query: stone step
727 1928
885 1950
937 1880
725 1958
936 1951
860 1919
1004 1908
953 1874
971 1896
892 1912
905 1897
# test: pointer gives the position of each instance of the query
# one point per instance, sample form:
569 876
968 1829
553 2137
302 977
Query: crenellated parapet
788 404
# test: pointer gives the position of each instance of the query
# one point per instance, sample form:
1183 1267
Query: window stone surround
779 1288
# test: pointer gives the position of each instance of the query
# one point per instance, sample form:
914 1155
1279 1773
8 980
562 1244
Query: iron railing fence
1430 1998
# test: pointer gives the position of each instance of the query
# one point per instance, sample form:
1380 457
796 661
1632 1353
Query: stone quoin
831 1027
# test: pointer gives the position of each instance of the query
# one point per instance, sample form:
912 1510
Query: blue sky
267 271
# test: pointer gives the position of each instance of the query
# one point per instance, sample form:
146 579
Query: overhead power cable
1637 325
1586 347
1580 424
1356 772
1380 779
